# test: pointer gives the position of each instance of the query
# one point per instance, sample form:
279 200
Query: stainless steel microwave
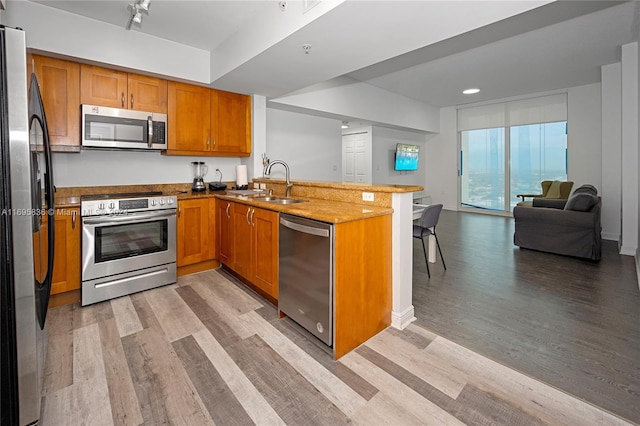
113 128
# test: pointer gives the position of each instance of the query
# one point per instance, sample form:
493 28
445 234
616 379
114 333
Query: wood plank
89 378
174 316
260 411
398 392
125 408
410 336
395 349
126 316
381 409
91 314
345 398
292 396
220 401
58 370
165 393
228 312
472 407
323 356
546 402
145 314
210 318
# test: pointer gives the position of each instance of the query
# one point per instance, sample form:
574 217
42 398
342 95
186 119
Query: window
509 148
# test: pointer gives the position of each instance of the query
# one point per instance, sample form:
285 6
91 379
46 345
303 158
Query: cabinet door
265 250
231 123
193 231
59 83
224 231
66 260
189 118
242 237
102 86
147 93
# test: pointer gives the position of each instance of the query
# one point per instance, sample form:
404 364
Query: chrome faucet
286 168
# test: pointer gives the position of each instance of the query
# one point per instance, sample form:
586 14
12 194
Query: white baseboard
400 320
628 251
638 267
610 237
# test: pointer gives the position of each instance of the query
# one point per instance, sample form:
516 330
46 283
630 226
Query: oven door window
130 240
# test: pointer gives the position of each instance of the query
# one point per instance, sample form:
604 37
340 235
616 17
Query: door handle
73 220
253 211
132 101
227 210
122 100
247 216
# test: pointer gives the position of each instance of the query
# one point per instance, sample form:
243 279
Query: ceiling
425 50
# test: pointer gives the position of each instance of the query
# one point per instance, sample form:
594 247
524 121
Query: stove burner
121 195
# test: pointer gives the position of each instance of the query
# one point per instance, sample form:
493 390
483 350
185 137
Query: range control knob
162 201
170 201
153 202
112 206
101 206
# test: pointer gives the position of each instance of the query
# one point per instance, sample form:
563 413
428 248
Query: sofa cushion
581 201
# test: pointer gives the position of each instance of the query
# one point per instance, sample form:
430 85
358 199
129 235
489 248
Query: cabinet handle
73 220
247 216
122 100
252 213
179 209
214 143
132 101
208 142
227 211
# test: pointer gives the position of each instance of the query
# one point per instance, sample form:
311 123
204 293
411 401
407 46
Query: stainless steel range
128 244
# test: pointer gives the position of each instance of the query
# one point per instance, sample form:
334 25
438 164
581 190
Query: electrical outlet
367 196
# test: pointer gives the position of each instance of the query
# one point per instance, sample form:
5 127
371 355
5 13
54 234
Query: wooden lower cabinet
363 281
66 259
247 244
195 231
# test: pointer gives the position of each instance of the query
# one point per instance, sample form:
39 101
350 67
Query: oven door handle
134 217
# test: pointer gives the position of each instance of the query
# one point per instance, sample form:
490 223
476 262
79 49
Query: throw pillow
586 188
581 202
554 190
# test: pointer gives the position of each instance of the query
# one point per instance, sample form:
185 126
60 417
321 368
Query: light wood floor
206 351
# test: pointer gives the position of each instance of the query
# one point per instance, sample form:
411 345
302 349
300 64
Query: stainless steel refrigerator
26 239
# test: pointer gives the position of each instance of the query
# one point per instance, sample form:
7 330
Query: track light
136 9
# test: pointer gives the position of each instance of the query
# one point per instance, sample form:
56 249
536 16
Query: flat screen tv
407 156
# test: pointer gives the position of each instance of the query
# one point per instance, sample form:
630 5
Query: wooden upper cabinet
189 121
118 89
147 93
231 123
59 83
204 121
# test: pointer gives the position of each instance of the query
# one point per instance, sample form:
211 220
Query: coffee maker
200 169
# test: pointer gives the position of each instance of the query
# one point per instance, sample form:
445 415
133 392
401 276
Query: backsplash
106 168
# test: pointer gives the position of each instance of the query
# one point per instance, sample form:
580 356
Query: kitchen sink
279 200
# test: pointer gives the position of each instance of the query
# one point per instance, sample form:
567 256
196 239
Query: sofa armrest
556 203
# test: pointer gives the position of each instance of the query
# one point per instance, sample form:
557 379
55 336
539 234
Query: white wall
584 142
98 168
383 158
311 146
442 162
611 151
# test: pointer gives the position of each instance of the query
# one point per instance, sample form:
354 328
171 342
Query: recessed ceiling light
345 124
470 91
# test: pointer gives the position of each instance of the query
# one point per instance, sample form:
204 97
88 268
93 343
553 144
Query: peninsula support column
402 313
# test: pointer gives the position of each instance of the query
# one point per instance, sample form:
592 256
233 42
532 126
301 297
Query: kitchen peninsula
365 244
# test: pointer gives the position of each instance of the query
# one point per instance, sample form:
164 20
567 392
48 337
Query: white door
356 158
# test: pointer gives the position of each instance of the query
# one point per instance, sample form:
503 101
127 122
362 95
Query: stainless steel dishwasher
305 293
